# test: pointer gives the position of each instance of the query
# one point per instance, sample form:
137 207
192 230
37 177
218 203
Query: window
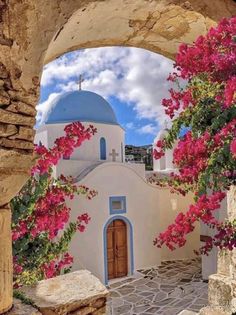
117 204
103 154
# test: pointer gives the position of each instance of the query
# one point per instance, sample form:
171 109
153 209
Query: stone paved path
164 290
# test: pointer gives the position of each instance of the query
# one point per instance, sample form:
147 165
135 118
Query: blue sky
132 80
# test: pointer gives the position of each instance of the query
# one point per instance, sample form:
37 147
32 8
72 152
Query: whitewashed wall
141 200
90 150
41 135
148 208
170 206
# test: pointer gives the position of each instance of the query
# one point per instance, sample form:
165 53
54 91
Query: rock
84 311
30 99
18 144
100 311
213 311
4 98
24 133
23 108
220 291
11 184
99 303
3 71
221 287
14 168
7 130
1 83
13 161
17 119
67 293
22 309
186 312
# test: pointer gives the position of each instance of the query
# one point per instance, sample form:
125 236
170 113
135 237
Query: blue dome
81 106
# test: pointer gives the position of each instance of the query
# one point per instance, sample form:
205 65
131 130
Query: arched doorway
117 249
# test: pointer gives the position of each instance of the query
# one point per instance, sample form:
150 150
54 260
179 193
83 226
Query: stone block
214 311
231 203
22 309
7 130
100 311
10 184
4 98
17 144
223 262
73 293
14 168
84 311
25 133
1 83
99 303
220 292
186 312
20 107
27 98
3 71
16 119
12 161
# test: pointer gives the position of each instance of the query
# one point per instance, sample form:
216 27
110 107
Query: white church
128 211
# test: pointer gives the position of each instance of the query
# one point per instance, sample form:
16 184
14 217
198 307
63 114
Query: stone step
186 312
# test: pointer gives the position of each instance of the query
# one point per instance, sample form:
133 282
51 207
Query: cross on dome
80 82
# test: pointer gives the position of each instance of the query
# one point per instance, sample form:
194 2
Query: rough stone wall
17 117
33 32
17 114
222 286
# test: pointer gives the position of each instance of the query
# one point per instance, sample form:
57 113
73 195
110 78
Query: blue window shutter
103 154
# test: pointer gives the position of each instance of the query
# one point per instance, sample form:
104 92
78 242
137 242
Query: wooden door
117 261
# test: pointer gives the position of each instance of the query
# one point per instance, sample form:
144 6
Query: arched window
103 154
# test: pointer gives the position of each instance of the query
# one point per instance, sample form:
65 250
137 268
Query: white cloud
44 107
135 76
130 125
148 129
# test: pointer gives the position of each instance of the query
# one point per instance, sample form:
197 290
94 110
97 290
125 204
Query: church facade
128 211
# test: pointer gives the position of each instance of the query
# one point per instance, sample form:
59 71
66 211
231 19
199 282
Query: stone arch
52 28
158 26
34 32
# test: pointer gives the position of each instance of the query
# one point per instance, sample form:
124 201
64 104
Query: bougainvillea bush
206 154
41 230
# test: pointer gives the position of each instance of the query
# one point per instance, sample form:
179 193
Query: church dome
81 106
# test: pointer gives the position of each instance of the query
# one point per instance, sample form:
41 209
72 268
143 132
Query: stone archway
34 32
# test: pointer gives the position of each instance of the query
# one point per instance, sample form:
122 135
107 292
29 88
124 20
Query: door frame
129 245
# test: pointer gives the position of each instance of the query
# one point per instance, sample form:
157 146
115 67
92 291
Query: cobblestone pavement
165 290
